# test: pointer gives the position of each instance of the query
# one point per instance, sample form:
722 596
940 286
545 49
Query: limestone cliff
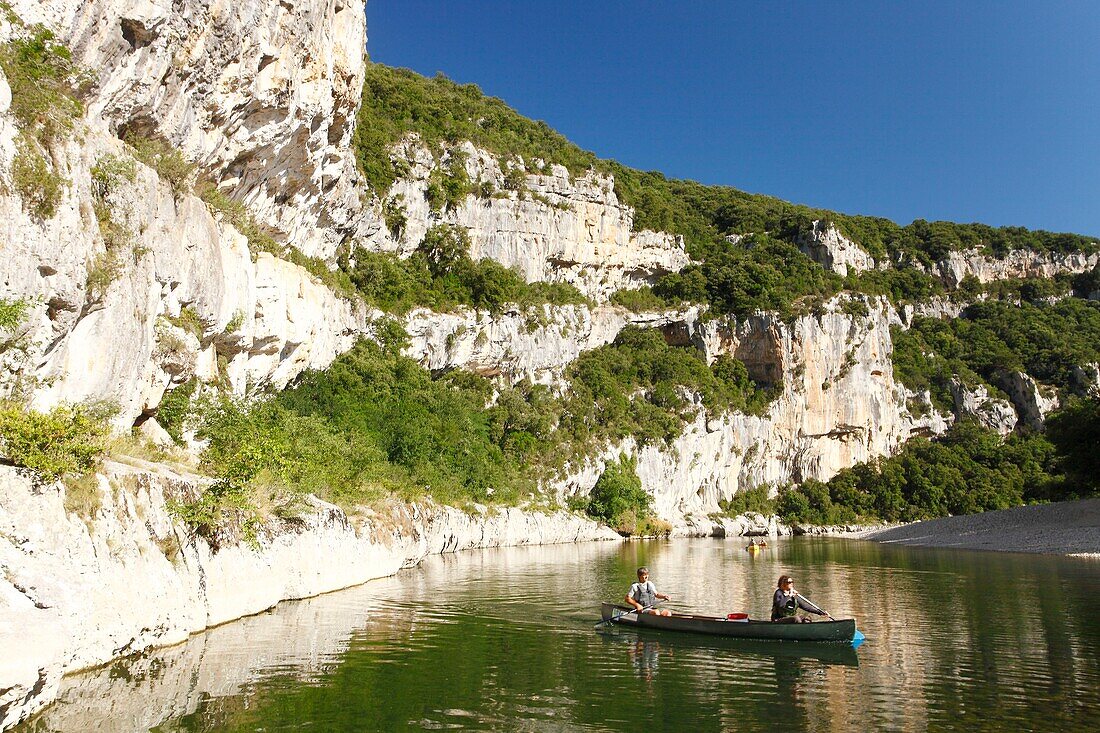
557 228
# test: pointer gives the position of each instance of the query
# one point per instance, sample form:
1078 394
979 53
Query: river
503 640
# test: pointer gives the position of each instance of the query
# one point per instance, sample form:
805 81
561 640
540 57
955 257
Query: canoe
840 654
843 630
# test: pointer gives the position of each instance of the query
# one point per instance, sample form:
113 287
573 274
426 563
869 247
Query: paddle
815 606
857 638
627 613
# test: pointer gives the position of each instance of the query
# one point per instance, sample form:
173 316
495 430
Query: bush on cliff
442 276
618 500
68 440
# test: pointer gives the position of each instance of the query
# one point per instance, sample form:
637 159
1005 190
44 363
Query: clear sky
965 111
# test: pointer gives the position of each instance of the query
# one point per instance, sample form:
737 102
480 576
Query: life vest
645 593
787 608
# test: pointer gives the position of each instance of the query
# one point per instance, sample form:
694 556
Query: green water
503 640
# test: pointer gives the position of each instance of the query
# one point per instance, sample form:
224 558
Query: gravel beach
1065 528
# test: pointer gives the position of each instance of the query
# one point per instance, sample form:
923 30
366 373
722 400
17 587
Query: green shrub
749 500
441 275
189 321
69 439
970 469
38 185
175 407
12 313
110 172
169 163
42 78
618 494
393 211
515 180
106 267
810 503
222 514
640 300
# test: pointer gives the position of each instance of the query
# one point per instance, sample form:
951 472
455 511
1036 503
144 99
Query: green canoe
843 630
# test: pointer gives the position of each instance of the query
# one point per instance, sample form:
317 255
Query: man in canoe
644 595
786 602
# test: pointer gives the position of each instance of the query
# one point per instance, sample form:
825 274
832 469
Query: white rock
991 412
825 245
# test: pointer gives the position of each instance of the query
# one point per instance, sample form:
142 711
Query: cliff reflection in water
504 640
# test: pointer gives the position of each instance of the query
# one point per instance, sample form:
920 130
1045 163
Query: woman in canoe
786 602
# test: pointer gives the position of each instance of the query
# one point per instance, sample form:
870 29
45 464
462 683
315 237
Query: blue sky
965 111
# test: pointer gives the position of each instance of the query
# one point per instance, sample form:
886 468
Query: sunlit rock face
103 317
261 94
559 228
1016 264
1033 401
991 412
824 244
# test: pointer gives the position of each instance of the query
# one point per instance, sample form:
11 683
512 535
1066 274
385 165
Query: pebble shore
1064 528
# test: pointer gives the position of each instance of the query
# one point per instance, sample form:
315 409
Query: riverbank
76 593
1065 528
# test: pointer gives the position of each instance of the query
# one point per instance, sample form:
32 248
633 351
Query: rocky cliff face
261 94
1016 264
554 228
104 312
825 245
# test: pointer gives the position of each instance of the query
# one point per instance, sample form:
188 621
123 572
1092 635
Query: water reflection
644 655
504 640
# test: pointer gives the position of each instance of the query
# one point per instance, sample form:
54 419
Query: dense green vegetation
377 424
1046 340
619 501
43 78
762 271
968 470
69 439
399 101
441 275
12 313
1075 432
